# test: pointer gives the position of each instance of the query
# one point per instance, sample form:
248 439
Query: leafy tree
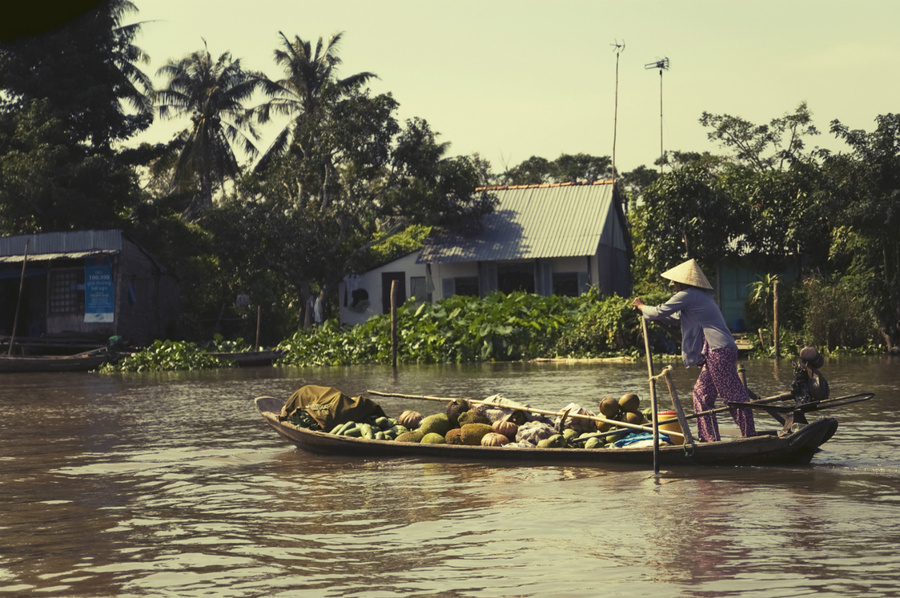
309 88
86 71
867 210
685 214
68 95
533 171
634 182
763 147
47 183
212 94
568 168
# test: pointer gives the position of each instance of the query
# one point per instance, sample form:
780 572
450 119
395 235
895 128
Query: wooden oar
513 405
779 397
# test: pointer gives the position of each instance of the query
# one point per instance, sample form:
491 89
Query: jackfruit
455 408
453 436
555 441
472 417
438 423
433 438
411 436
473 433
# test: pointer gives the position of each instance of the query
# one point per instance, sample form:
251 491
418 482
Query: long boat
80 362
795 444
250 358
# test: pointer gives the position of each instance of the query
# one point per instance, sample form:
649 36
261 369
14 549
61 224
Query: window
66 292
515 277
466 285
565 284
418 289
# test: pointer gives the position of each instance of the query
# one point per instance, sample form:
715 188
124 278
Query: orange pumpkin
494 439
507 428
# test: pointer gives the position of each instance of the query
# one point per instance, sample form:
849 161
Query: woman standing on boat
706 342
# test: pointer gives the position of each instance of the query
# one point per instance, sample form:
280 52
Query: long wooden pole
653 406
679 412
394 324
12 338
516 406
258 320
775 332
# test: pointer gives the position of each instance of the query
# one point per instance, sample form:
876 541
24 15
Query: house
84 285
361 296
544 239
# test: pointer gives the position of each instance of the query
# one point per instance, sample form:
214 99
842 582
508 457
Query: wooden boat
249 358
795 445
80 362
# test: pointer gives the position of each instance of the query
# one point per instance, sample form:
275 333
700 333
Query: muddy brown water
172 485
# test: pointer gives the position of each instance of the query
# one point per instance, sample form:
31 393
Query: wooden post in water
258 318
12 338
394 324
775 342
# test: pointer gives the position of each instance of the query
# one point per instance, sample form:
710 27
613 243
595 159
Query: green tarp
329 406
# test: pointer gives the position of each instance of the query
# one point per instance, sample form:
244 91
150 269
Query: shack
558 239
68 291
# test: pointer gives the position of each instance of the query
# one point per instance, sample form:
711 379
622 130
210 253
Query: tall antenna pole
662 65
619 49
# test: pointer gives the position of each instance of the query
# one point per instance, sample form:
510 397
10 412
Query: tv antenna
662 65
619 48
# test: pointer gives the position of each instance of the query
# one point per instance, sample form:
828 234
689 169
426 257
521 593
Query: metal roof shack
80 288
545 239
534 222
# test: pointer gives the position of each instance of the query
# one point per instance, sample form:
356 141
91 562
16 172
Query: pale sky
511 79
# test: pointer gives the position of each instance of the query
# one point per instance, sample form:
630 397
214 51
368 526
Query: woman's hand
638 304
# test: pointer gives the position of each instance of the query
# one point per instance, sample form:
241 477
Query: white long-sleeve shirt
700 319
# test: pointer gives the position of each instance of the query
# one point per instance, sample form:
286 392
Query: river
172 485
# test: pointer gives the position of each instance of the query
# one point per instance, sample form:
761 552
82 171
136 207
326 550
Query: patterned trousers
719 377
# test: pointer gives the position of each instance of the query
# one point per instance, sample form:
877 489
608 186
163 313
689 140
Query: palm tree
309 87
212 95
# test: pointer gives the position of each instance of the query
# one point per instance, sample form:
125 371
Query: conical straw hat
688 273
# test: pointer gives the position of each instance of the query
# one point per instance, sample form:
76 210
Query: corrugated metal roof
531 222
61 244
45 257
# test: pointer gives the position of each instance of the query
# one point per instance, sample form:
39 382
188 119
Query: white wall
371 282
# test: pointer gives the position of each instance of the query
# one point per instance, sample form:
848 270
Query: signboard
99 291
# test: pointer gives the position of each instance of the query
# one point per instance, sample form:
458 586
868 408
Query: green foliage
685 213
456 330
601 327
762 344
212 93
763 147
837 314
86 71
220 344
568 168
396 246
166 356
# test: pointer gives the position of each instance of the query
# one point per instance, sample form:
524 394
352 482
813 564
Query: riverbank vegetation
346 185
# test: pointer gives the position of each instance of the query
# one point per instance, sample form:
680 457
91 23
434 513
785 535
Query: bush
837 314
167 355
601 326
455 330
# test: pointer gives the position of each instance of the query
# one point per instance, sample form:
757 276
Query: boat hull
797 448
53 363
